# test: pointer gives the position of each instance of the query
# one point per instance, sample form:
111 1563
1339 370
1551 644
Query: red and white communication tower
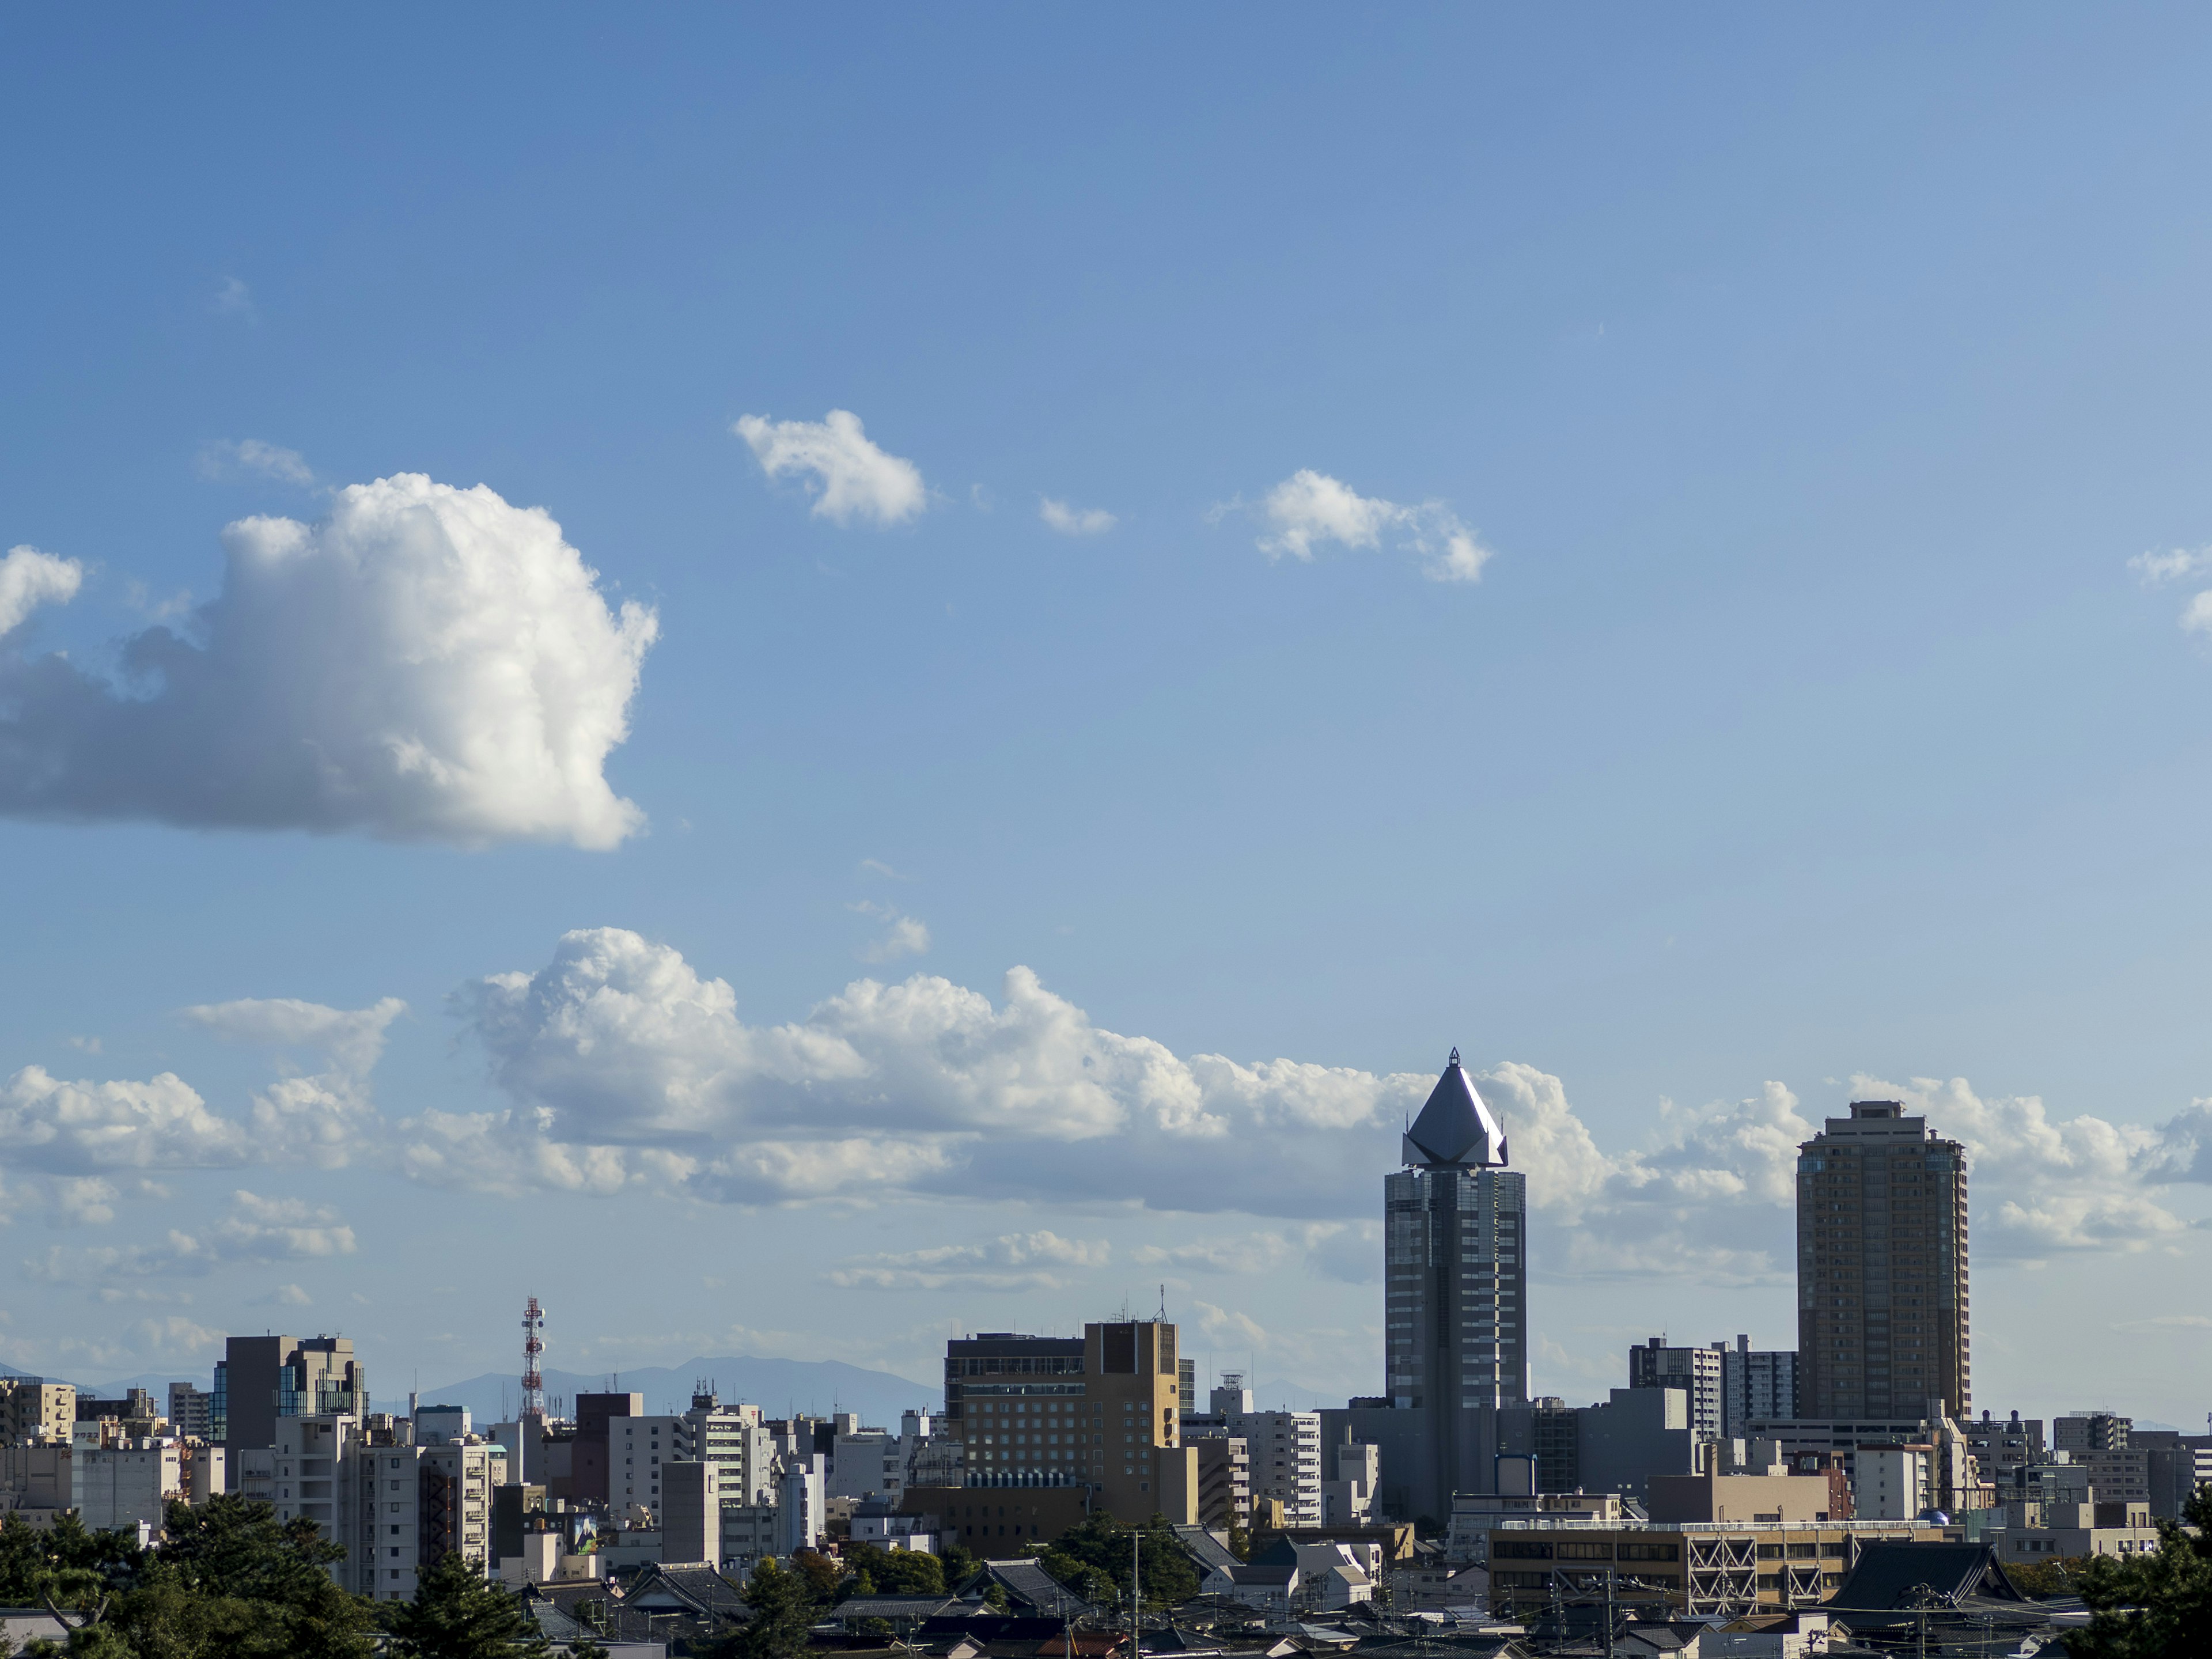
533 1379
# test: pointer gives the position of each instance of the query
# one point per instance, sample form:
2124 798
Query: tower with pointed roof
1456 1321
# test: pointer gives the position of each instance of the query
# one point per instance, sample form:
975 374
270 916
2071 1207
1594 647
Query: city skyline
920 673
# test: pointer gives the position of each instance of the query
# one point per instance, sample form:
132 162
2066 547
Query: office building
1757 1385
1882 1306
636 1448
1021 1408
1696 1371
264 1379
2002 1447
1456 1338
587 1451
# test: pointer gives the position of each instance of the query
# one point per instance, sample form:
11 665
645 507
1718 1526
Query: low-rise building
2061 1532
1692 1569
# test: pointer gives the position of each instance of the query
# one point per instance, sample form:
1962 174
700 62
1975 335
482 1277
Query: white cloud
321 1117
1310 509
75 1128
2076 1184
1014 1261
225 458
2155 568
1075 521
235 299
426 663
256 1232
902 935
849 476
29 579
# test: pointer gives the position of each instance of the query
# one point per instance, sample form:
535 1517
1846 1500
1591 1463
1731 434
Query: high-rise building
263 1379
1696 1371
1457 1267
1758 1385
1881 1267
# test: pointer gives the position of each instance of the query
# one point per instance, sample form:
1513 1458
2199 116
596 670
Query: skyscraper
1455 1305
1881 1267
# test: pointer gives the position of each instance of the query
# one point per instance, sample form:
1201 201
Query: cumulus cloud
1075 520
1014 1261
81 1131
1308 509
2061 1185
29 579
425 663
322 1117
83 1128
227 458
849 477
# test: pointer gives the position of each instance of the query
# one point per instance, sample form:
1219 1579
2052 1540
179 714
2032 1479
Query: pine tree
455 1614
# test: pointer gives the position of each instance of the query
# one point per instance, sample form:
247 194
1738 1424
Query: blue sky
1810 382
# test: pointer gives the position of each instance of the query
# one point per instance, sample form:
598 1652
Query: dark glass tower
1456 1271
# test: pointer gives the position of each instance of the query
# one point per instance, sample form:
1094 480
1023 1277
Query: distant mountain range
816 1386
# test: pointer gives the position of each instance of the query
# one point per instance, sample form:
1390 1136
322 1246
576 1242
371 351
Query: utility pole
1136 1596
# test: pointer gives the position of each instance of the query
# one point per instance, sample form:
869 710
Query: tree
782 1604
1093 1558
1240 1536
821 1574
455 1614
2156 1605
958 1564
230 1579
892 1573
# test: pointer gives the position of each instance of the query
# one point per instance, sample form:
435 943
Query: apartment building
1757 1385
32 1409
1696 1371
192 1411
1882 1305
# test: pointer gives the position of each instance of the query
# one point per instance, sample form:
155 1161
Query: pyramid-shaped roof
1455 1127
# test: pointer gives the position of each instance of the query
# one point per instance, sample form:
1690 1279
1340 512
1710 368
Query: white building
636 1448
1893 1483
126 1485
412 1505
1347 1497
316 1474
802 1511
1284 1449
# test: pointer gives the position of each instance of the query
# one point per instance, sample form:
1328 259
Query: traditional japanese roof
696 1589
1029 1587
1454 1129
1204 1548
1892 1580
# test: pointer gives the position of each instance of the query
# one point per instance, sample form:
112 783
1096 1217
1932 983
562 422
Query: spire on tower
1454 1127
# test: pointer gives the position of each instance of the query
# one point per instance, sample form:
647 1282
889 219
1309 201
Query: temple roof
1454 1127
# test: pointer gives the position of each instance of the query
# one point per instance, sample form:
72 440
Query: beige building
32 1409
2062 1532
1692 1569
1794 1499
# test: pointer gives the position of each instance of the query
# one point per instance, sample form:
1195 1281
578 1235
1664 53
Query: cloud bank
847 476
619 1065
426 663
1308 509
